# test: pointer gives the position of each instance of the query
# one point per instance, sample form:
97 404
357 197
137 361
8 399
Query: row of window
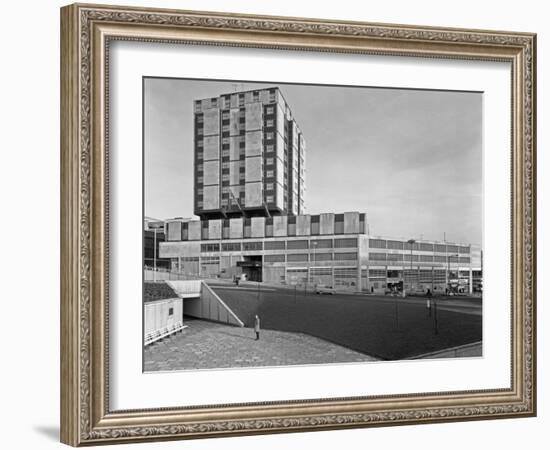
422 246
302 244
225 100
400 257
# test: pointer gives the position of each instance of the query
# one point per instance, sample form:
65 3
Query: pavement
210 345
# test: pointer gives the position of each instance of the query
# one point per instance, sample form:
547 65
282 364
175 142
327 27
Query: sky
410 159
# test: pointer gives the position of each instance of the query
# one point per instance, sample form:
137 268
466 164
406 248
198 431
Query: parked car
323 289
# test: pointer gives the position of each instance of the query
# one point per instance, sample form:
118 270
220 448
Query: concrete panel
236 190
280 146
257 227
253 116
253 194
211 122
234 172
236 228
254 169
174 231
253 143
280 196
211 171
234 127
248 97
215 229
303 226
279 225
280 121
273 274
194 230
234 148
280 171
351 222
177 249
211 197
295 135
327 223
264 96
211 147
234 100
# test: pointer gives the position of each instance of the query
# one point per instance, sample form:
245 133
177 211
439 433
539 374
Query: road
385 327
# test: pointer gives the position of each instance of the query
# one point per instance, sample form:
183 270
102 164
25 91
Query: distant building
152 227
249 156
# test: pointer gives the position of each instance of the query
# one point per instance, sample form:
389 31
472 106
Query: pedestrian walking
257 327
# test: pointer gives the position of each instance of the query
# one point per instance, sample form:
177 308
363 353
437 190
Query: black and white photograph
294 224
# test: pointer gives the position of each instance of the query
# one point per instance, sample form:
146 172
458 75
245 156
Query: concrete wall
253 192
351 222
174 231
215 229
326 223
257 227
175 249
234 127
303 226
211 197
158 317
236 228
211 122
186 288
280 226
253 116
209 306
253 143
211 148
194 230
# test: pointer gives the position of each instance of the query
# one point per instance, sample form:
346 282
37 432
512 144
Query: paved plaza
388 328
209 345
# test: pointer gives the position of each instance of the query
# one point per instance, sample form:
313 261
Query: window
463 250
269 173
377 243
274 245
321 256
269 187
170 311
395 245
321 243
348 256
210 247
426 258
345 243
394 257
377 256
426 247
452 248
231 246
269 161
274 258
251 246
269 110
297 257
269 148
269 135
440 248
269 199
295 245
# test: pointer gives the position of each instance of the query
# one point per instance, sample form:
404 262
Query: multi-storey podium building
250 199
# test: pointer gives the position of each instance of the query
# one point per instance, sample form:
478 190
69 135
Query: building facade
249 156
324 249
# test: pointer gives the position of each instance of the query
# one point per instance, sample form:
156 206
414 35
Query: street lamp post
411 242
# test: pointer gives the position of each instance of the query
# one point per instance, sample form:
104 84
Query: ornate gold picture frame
87 31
